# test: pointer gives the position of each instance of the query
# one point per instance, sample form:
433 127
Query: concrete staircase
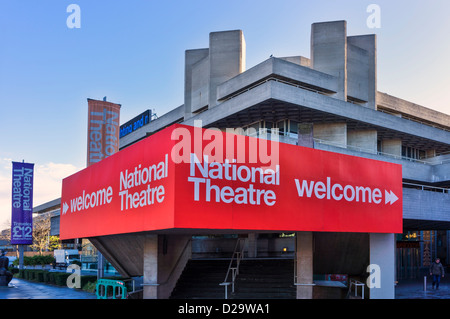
200 279
265 279
257 279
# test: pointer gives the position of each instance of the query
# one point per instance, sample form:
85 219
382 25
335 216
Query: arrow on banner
65 208
390 197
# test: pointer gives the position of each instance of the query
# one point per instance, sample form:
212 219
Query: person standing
436 270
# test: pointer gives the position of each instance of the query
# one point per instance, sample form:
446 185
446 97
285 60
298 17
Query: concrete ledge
51 205
441 172
401 106
426 205
411 170
278 68
319 102
230 107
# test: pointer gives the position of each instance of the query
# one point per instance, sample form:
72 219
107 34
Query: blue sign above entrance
135 123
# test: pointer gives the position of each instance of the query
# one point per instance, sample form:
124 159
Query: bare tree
41 234
5 235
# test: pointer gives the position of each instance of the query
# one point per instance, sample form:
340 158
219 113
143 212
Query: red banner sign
103 130
190 178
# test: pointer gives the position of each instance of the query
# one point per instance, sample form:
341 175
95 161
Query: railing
375 152
415 119
238 255
427 188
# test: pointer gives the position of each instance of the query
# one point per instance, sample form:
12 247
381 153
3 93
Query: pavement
414 289
24 289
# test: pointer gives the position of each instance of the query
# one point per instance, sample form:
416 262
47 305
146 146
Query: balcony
426 207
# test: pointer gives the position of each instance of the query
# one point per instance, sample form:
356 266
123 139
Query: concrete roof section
282 99
277 79
336 85
47 207
396 106
280 69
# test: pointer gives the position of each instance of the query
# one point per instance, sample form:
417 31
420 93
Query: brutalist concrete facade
330 102
333 94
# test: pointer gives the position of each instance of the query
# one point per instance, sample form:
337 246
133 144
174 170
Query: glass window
412 153
293 129
281 127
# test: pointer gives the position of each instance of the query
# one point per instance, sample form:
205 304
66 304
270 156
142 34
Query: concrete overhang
47 207
278 69
274 101
424 210
413 111
414 171
441 173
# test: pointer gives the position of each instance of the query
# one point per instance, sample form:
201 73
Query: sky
132 52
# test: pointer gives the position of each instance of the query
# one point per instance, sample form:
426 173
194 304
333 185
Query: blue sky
133 53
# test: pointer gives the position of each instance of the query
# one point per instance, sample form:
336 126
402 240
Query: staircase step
257 279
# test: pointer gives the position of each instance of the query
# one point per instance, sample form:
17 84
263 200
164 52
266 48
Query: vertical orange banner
103 130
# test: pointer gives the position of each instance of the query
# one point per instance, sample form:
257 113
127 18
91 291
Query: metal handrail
371 151
426 187
238 255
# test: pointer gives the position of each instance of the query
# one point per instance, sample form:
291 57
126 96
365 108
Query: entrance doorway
408 260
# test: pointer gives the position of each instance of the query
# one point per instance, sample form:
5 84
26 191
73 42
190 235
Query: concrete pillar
226 59
173 255
305 135
430 153
329 52
331 133
363 141
252 245
150 279
382 260
304 265
362 68
191 58
392 147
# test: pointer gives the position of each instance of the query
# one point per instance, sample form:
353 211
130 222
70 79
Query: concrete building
330 102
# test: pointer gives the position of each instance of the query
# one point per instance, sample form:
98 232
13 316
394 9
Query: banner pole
20 257
103 128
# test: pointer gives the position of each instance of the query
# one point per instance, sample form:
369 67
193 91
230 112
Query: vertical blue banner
22 204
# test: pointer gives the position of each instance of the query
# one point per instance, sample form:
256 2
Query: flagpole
20 257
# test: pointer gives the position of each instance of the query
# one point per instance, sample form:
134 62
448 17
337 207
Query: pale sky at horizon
133 53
